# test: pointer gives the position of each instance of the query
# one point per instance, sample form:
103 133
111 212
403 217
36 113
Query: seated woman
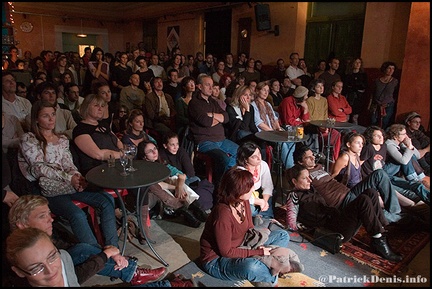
135 133
175 155
241 126
249 157
224 234
347 168
32 211
266 120
184 200
21 247
93 141
45 158
119 121
306 205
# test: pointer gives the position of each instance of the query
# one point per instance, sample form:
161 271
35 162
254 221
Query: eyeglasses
39 268
154 150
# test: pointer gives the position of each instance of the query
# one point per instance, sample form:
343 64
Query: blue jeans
380 181
100 201
417 187
408 169
251 269
266 214
227 146
287 154
192 179
81 252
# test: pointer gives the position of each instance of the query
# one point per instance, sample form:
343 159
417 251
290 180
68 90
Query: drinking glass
124 160
133 150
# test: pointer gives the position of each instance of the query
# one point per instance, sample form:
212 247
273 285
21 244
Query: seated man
206 119
419 139
338 195
402 157
65 122
159 109
31 211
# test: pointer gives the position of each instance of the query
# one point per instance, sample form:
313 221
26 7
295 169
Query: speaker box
262 16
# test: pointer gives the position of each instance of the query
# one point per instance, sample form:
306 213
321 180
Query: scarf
265 110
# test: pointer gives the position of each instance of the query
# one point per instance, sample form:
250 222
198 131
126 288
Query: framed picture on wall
173 37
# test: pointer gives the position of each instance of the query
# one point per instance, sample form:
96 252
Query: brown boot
145 219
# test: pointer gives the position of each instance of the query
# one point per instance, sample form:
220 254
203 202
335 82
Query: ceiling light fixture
82 35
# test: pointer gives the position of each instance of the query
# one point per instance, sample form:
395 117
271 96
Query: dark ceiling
115 11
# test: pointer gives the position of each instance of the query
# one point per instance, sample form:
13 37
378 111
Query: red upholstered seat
93 217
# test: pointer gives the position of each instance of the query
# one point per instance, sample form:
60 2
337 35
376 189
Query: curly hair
368 133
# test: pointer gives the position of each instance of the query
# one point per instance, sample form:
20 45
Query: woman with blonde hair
266 119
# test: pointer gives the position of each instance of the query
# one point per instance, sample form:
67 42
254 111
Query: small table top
278 136
148 173
336 125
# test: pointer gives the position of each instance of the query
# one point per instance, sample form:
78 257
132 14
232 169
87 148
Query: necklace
241 212
255 174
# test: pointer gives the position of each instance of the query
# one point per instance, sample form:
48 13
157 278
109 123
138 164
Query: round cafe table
147 174
338 125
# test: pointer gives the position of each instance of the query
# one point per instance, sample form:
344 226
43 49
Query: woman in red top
225 230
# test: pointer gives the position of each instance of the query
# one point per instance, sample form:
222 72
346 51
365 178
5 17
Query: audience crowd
63 114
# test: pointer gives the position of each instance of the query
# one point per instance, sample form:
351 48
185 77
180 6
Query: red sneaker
143 276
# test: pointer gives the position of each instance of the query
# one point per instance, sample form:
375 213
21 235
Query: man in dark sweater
206 119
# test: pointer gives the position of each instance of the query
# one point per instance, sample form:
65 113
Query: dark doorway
218 33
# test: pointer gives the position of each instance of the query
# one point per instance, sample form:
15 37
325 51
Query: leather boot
198 212
145 217
382 248
143 275
189 217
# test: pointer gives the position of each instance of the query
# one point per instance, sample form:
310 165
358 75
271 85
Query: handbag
255 237
328 240
51 188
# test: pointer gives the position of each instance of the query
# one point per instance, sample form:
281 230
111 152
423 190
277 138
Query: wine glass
124 160
132 152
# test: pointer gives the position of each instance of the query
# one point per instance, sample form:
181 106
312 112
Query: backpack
205 190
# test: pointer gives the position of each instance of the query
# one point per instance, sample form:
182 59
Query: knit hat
411 115
300 92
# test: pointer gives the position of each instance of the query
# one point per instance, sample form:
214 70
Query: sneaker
143 275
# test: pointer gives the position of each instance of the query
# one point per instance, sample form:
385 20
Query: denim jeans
417 187
81 252
287 154
192 179
227 146
408 170
251 269
266 214
100 201
380 181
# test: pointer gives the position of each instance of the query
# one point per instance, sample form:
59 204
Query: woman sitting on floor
184 200
249 157
225 231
